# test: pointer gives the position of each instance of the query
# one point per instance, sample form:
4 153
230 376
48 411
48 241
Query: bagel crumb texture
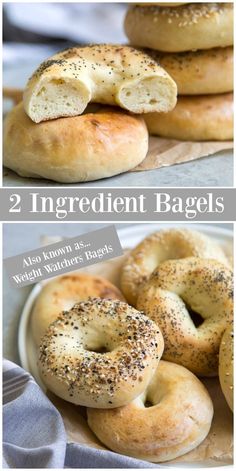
108 74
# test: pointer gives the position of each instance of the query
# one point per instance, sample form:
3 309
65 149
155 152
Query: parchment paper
216 448
166 152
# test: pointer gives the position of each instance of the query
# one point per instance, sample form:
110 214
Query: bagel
62 293
196 118
185 28
226 365
113 75
160 246
200 72
192 302
171 417
68 150
101 353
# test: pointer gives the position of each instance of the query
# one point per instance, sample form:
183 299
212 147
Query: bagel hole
148 403
195 316
101 350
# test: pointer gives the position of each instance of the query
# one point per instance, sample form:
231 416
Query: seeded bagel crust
185 28
226 365
179 289
107 74
101 353
62 293
160 246
199 72
176 419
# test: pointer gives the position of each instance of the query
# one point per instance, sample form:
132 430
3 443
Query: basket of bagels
87 112
137 352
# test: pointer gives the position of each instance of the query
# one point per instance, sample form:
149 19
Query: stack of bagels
86 111
133 357
56 133
194 43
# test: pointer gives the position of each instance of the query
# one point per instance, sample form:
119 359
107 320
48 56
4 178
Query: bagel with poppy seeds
192 302
102 353
62 293
185 28
226 365
160 246
114 75
172 417
193 70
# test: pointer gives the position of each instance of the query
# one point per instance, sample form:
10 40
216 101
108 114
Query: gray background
18 238
184 204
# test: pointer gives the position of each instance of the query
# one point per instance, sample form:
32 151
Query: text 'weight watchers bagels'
82 148
185 28
114 75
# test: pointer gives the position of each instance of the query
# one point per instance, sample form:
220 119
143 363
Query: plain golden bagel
226 365
192 302
171 417
62 293
203 72
113 75
96 145
185 28
160 246
101 353
196 118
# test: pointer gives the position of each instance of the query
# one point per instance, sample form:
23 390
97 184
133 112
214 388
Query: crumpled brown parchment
166 152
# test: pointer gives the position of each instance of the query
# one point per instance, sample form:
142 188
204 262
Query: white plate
129 237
